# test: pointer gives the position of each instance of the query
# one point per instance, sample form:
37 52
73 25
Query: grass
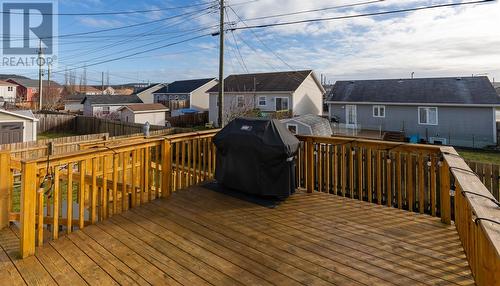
52 135
484 156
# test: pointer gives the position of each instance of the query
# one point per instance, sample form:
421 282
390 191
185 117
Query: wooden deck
198 236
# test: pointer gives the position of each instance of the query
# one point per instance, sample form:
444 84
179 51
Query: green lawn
485 156
52 135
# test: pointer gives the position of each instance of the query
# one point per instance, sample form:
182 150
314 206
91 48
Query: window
10 88
428 115
105 110
281 103
292 128
262 101
240 101
378 111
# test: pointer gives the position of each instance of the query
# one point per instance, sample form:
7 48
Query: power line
362 15
116 13
243 65
144 51
119 28
315 10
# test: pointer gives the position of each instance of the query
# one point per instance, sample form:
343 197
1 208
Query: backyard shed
17 126
154 113
309 124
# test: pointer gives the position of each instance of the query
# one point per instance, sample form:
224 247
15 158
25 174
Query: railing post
445 193
166 182
5 189
28 205
310 165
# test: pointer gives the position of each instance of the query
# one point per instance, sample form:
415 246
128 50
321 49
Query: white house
73 103
107 106
8 91
296 92
185 95
17 126
154 113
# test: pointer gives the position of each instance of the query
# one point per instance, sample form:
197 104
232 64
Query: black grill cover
256 156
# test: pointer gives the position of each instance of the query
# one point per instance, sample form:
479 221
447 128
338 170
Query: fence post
28 205
5 188
166 182
445 193
310 165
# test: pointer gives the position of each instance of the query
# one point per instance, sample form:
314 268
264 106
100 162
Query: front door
351 118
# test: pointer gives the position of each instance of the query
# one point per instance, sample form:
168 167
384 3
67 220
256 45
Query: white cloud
100 23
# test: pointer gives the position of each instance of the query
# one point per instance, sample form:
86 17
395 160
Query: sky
460 41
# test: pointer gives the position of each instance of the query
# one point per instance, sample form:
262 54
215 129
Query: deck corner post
28 205
5 188
445 199
310 165
166 182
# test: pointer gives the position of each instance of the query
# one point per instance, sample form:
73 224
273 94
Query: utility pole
40 76
221 64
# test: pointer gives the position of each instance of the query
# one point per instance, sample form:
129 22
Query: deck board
201 237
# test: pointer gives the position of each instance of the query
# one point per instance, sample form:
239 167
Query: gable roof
26 114
184 86
262 82
319 126
144 107
450 90
32 83
112 99
151 86
6 83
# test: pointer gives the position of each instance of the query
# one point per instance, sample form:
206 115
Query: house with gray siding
457 111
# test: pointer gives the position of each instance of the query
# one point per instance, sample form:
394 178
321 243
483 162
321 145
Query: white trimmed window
10 88
262 101
379 111
428 115
292 128
240 101
105 110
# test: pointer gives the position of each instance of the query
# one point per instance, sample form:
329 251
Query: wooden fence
489 175
36 149
86 125
189 120
56 123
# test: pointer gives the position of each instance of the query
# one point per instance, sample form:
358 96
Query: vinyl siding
461 126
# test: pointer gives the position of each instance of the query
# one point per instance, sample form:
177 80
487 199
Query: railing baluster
115 183
69 199
81 195
320 168
399 180
167 167
369 180
146 189
360 173
343 171
5 188
93 192
378 168
124 181
56 202
310 166
421 185
410 186
104 195
40 214
351 171
389 179
433 185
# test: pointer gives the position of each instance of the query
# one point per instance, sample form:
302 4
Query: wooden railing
425 179
394 174
477 219
80 188
76 189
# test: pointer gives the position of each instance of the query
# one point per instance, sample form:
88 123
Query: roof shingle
184 86
112 99
262 82
451 90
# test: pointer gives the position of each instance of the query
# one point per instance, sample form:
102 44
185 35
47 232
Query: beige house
294 92
154 113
